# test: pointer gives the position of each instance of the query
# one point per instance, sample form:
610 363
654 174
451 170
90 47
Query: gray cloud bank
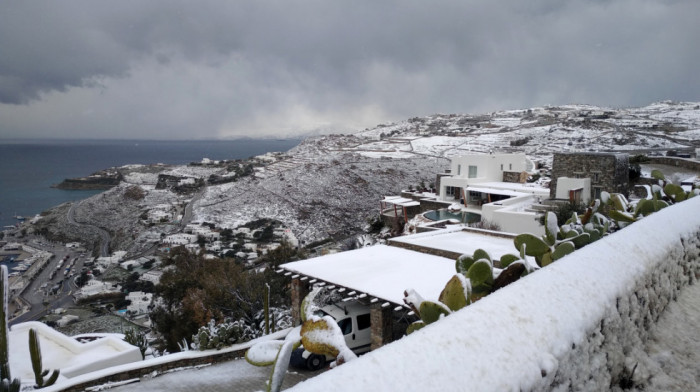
210 69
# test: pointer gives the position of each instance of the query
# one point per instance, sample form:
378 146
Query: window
459 169
363 322
449 191
501 167
345 325
472 171
578 174
510 166
596 177
596 192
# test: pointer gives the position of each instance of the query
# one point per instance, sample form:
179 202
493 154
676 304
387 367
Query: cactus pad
456 293
534 245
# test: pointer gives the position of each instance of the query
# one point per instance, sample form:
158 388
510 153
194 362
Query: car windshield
345 325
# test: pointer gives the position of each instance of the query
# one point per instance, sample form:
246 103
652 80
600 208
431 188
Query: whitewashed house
179 239
477 185
152 276
95 287
140 302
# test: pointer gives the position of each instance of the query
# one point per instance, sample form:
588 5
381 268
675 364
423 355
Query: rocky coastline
101 180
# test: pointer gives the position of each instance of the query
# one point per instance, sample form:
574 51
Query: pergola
399 204
376 275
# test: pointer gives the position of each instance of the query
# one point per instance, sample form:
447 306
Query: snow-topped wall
574 325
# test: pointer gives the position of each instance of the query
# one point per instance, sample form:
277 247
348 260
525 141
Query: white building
574 189
152 276
156 216
139 302
115 258
474 169
95 287
476 186
66 353
179 239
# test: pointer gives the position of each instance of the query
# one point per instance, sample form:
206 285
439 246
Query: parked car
353 318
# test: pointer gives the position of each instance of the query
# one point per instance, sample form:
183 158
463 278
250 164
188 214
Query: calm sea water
29 168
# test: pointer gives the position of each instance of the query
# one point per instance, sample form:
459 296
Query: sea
28 168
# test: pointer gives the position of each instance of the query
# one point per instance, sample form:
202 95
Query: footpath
237 375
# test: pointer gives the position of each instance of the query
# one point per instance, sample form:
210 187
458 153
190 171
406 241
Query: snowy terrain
329 186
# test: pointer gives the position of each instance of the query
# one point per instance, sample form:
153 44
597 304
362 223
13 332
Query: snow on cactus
320 335
7 382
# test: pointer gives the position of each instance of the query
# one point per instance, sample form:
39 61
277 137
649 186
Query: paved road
35 295
237 375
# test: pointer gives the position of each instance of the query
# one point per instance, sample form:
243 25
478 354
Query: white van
353 318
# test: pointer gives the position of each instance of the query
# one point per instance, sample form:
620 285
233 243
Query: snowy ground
671 360
237 375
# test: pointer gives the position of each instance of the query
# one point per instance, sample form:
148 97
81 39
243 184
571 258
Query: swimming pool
464 217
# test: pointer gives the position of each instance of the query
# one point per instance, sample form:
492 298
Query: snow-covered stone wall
574 325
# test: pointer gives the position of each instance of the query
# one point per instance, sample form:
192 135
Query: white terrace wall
566 327
509 214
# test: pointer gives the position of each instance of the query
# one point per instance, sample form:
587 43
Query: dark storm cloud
219 68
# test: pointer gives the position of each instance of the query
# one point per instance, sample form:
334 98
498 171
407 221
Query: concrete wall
572 326
511 217
565 184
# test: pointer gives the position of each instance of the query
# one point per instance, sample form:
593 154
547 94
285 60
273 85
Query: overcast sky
222 69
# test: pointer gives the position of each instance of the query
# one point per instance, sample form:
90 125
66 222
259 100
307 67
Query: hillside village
401 197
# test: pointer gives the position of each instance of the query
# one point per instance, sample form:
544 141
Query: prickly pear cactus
6 381
456 293
431 312
35 354
320 335
481 276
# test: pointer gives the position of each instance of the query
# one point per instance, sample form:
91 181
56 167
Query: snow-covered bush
217 336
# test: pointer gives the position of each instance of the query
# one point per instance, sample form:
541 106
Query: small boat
21 267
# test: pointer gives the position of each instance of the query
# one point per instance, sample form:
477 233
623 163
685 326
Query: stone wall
625 327
607 171
677 162
516 177
428 205
381 318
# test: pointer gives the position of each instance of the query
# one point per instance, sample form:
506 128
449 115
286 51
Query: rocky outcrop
101 180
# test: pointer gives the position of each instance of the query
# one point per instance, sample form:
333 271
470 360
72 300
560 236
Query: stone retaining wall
626 327
684 163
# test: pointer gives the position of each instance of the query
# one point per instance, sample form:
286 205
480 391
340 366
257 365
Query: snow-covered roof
400 201
529 187
65 353
380 271
462 241
495 191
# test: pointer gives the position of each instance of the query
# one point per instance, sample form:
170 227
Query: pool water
464 217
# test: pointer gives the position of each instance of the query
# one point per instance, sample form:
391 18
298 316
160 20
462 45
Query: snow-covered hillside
328 186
